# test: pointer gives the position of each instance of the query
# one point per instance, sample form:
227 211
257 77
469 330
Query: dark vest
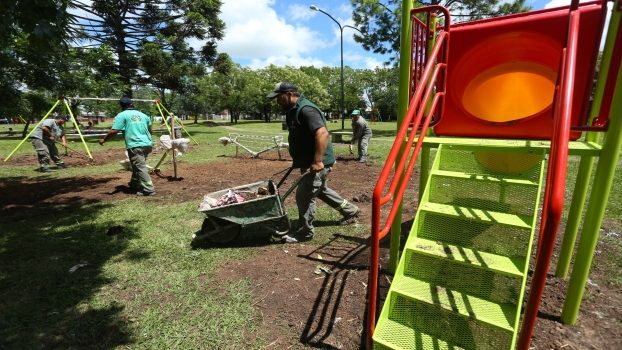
302 140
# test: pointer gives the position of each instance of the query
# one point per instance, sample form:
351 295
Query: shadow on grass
52 259
345 255
19 194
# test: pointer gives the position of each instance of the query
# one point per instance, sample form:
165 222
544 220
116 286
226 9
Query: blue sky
263 32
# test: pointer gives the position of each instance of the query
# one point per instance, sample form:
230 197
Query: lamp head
314 8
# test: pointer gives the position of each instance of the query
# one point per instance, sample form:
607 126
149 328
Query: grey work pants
46 150
140 181
363 142
314 186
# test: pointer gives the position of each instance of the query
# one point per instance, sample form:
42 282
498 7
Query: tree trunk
25 132
125 61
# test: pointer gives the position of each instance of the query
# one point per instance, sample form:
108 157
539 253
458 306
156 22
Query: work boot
350 219
297 237
146 194
61 166
46 169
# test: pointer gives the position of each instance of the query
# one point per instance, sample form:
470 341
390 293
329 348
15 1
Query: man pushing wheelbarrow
311 151
260 204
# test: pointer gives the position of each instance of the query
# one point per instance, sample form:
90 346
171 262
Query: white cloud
81 12
294 61
358 60
372 63
559 3
300 12
253 29
345 9
256 35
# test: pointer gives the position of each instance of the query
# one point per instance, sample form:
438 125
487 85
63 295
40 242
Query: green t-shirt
135 126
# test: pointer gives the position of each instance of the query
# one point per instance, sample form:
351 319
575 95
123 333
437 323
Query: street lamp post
343 107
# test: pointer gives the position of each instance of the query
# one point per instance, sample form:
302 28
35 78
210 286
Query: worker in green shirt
136 127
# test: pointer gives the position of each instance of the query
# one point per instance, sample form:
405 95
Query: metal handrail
430 87
556 181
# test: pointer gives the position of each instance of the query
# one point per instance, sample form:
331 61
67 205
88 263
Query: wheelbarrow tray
262 208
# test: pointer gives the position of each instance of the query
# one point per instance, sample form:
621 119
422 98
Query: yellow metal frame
73 120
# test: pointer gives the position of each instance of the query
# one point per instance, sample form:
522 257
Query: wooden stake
172 149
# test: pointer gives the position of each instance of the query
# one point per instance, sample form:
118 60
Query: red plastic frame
434 74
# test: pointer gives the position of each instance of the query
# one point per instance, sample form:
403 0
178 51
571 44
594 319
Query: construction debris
232 197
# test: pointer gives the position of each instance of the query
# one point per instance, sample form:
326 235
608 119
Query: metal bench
338 136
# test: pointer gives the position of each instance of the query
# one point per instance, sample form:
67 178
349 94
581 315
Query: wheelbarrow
223 224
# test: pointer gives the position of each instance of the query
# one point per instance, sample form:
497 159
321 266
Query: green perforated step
444 327
511 266
478 214
472 279
499 315
461 277
479 177
483 236
483 191
394 335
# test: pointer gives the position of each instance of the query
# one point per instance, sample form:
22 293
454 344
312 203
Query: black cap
125 101
282 87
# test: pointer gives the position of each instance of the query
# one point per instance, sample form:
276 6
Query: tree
380 91
309 86
32 34
380 23
154 33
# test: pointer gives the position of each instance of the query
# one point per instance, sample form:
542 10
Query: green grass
145 288
142 287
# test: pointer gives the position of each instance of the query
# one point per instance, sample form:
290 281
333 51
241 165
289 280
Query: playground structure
170 127
503 102
254 144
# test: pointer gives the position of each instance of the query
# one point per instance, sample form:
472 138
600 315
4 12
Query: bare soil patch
308 295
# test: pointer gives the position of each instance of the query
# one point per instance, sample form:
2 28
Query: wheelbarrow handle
289 171
294 185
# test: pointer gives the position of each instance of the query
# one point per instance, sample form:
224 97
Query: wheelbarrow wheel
217 231
281 226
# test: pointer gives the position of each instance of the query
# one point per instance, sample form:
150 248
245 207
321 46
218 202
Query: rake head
224 140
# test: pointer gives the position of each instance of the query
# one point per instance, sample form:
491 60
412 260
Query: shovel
76 151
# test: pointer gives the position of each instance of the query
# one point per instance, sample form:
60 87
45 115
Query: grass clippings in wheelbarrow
232 197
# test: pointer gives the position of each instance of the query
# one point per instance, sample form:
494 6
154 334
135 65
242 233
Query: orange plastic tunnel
502 74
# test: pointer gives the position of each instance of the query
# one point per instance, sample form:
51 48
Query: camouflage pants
140 181
46 151
314 186
363 143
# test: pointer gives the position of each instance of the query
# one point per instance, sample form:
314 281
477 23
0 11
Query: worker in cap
361 134
44 141
312 152
136 128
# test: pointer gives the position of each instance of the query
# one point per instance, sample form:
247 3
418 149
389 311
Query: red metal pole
558 177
